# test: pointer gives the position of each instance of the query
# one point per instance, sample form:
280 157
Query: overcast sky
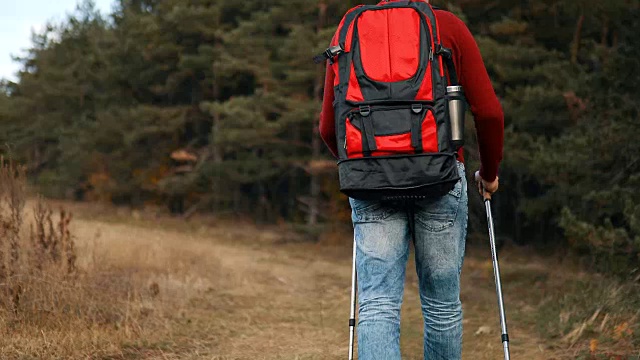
19 17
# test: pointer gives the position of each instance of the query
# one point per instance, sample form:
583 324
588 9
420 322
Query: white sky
19 17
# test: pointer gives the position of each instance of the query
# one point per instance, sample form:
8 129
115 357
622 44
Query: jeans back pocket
440 214
370 210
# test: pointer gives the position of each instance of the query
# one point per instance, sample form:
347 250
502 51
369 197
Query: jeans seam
462 191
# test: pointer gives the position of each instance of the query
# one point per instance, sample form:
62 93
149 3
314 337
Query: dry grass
50 307
122 284
237 293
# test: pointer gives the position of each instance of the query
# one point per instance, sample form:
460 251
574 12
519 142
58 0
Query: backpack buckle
329 54
443 51
365 110
416 108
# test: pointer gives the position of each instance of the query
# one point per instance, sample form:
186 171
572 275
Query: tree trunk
605 31
577 36
216 154
315 142
292 202
215 90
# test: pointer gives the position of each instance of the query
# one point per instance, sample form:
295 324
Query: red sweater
472 74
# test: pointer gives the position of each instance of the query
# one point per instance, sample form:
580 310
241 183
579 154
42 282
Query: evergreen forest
211 106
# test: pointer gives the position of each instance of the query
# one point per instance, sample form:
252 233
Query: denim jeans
382 234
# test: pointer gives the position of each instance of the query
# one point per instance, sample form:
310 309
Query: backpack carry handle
407 2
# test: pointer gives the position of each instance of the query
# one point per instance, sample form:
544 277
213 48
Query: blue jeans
382 233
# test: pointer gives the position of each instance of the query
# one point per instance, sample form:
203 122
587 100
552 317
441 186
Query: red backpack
392 122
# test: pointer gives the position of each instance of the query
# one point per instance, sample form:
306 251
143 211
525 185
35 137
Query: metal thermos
457 111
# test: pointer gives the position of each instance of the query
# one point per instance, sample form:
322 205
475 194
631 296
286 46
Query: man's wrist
486 178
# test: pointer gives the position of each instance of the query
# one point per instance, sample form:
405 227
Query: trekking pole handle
485 194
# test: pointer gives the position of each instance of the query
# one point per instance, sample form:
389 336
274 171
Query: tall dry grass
51 308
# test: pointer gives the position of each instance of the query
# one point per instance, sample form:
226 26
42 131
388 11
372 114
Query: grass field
152 287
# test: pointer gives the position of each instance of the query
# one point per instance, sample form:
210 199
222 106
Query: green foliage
570 169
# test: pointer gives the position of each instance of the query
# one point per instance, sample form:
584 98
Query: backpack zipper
423 20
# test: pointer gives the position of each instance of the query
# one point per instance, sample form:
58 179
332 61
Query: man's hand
486 189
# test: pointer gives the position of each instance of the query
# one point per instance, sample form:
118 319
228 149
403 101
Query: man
382 229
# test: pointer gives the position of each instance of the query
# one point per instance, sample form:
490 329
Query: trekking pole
352 317
496 274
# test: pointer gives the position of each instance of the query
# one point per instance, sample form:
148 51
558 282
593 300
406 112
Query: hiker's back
390 103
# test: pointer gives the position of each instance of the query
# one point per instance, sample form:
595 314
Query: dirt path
241 293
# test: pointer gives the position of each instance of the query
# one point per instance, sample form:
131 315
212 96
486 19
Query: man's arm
485 106
327 117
